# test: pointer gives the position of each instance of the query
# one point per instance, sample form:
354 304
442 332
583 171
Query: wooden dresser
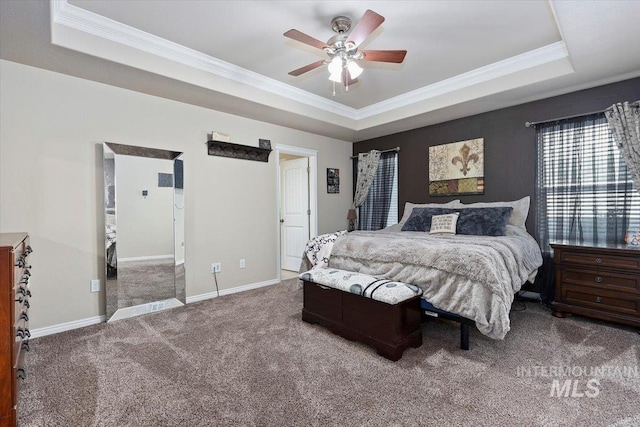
14 320
598 281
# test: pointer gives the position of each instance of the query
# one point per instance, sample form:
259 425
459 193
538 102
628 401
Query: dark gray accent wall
509 146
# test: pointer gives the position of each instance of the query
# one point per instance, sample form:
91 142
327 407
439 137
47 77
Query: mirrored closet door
144 229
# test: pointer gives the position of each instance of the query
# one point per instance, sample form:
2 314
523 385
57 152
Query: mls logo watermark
578 381
575 388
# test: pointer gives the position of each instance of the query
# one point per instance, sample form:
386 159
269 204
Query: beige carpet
248 359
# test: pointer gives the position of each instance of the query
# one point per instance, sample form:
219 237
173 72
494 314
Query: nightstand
598 281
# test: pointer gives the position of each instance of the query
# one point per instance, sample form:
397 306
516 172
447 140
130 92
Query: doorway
297 205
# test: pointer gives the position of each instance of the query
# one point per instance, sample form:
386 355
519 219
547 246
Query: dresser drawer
19 374
583 296
20 333
20 304
601 279
600 260
21 314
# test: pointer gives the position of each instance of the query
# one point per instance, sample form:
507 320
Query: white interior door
294 211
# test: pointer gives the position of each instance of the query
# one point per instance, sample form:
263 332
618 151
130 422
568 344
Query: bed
469 275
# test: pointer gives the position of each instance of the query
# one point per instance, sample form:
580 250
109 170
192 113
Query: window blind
585 193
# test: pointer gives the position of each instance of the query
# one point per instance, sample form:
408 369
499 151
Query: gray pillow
483 221
519 214
420 219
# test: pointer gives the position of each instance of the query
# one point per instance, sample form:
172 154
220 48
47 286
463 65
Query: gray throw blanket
472 276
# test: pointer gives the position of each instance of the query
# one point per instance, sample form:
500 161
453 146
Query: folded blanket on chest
472 276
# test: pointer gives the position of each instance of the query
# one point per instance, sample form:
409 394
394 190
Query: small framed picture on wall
333 180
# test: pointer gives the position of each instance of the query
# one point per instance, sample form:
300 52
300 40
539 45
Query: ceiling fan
343 49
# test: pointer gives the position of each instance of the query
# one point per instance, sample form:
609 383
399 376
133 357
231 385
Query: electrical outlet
95 285
242 263
216 267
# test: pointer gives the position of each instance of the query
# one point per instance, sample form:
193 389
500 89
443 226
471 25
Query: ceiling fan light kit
342 49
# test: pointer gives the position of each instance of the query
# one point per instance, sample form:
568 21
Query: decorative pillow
518 216
484 221
444 224
420 219
408 208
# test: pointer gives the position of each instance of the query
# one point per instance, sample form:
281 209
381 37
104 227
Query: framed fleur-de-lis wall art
457 168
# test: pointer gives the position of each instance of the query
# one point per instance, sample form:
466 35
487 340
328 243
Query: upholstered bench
381 313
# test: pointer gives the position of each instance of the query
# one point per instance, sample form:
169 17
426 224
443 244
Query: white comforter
472 276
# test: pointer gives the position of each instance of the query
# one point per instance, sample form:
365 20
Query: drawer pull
322 287
24 301
23 333
21 374
598 299
598 279
598 260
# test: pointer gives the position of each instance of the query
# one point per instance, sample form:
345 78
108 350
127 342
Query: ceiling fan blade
396 56
346 78
303 38
367 25
306 68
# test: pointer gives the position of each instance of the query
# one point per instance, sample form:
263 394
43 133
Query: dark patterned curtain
374 211
584 190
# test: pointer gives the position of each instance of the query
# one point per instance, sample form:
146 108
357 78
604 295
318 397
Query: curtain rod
533 124
383 151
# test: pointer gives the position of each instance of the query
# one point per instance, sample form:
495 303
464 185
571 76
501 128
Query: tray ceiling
463 57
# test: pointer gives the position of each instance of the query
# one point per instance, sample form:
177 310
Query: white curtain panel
624 120
367 168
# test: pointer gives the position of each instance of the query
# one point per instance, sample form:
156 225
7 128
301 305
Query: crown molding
74 17
534 58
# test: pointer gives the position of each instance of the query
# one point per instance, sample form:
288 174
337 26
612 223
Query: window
380 208
585 193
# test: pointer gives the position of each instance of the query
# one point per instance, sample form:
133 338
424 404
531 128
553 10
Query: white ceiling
464 57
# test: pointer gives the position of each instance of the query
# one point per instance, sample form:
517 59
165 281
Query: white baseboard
145 258
150 307
55 329
223 292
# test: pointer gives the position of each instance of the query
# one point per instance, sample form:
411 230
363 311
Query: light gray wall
144 224
52 127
